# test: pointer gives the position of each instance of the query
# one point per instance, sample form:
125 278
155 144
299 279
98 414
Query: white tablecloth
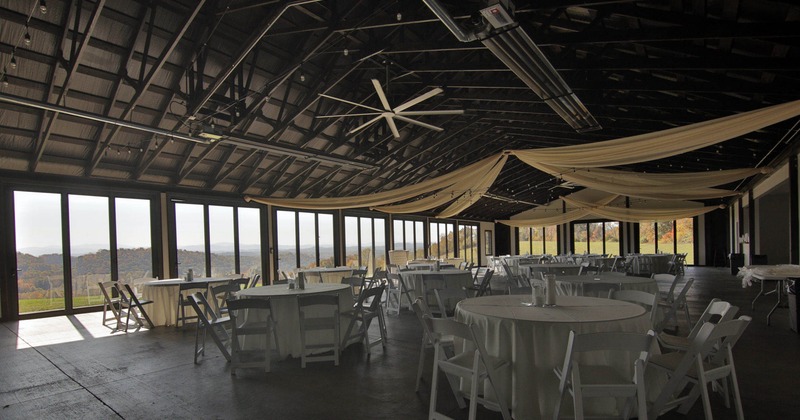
534 340
164 294
770 272
598 285
423 280
287 315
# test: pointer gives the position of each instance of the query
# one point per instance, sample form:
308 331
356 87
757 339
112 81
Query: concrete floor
72 367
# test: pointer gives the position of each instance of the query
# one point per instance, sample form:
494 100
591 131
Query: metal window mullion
112 238
67 254
236 253
207 239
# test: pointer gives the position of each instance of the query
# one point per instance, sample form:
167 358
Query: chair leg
737 398
421 361
473 394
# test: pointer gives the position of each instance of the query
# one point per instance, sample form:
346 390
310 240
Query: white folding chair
319 313
717 311
672 303
110 302
251 318
584 380
364 311
397 289
698 367
475 366
130 304
448 350
209 323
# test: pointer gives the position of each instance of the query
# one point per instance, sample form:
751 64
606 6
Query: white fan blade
349 102
349 115
442 112
419 123
381 94
392 125
425 96
365 125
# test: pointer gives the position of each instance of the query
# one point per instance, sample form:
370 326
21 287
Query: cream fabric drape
466 185
677 186
465 192
382 198
661 144
561 218
639 215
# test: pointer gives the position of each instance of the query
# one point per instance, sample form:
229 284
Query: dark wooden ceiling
183 66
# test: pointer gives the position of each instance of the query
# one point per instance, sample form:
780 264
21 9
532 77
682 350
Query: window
221 241
525 240
90 255
684 233
468 242
109 238
190 239
409 235
670 237
249 241
442 240
305 240
134 241
647 238
581 239
365 242
550 240
596 237
611 238
40 254
217 240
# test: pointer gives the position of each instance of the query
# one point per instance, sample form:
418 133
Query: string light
5 79
27 37
43 7
399 16
13 63
346 52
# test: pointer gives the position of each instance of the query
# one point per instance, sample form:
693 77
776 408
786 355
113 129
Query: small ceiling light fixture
346 52
43 7
302 77
399 16
5 80
27 37
13 63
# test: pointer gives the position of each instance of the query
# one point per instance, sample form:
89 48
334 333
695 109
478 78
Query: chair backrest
241 327
204 312
724 310
188 285
485 285
672 279
422 310
255 281
220 294
648 300
356 284
108 287
370 299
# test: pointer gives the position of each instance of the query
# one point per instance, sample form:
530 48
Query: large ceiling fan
388 113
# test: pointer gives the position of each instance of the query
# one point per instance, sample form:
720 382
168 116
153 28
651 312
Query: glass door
39 252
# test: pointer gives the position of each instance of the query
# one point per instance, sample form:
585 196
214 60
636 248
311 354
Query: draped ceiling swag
463 187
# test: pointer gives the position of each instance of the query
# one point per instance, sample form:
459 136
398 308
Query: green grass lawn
46 304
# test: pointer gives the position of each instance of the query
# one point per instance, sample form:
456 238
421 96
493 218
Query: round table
595 285
534 340
164 294
287 315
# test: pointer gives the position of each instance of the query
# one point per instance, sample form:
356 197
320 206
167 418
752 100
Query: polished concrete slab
73 367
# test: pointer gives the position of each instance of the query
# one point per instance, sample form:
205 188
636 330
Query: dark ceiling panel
253 73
